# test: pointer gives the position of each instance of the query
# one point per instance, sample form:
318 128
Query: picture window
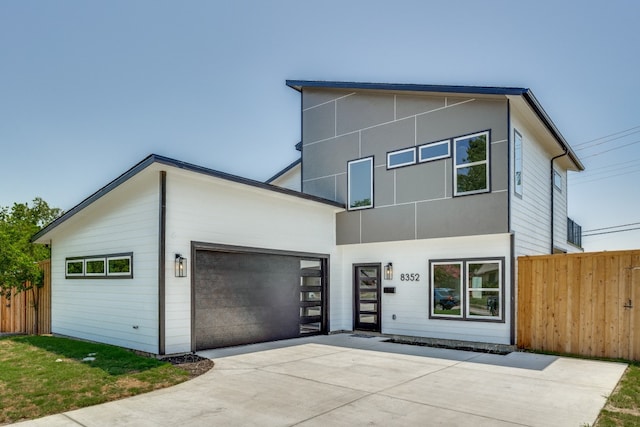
471 164
467 289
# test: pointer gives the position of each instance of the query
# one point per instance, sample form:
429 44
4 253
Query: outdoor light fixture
181 266
388 271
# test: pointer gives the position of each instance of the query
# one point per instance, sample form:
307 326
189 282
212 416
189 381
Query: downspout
566 151
162 244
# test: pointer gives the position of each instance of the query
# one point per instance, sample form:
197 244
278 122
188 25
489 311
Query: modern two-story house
404 215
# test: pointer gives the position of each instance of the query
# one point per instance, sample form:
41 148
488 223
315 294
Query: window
434 151
517 163
446 281
467 289
557 180
360 183
119 266
114 266
400 158
75 267
94 267
471 169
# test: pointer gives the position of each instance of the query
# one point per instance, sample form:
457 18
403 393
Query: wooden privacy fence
17 314
586 304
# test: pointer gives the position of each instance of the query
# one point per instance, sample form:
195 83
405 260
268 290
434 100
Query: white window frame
116 258
485 162
557 180
71 261
104 264
399 165
432 312
433 144
349 176
106 274
517 162
469 289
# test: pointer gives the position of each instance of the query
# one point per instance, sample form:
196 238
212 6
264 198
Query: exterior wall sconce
181 266
388 271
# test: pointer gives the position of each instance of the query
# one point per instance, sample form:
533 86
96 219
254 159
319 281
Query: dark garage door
243 298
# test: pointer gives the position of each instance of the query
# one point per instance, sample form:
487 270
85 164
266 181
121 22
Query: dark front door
366 279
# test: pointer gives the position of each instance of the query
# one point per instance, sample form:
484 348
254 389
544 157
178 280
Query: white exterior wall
211 210
410 303
106 310
292 179
530 214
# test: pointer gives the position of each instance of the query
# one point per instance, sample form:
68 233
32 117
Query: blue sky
88 89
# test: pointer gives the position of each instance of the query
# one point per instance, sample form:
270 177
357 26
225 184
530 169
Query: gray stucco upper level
412 202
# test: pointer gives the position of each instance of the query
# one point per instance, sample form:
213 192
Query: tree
19 257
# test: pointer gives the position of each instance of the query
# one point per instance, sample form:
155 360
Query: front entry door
366 280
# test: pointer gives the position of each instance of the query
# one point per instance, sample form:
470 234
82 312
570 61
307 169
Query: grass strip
43 375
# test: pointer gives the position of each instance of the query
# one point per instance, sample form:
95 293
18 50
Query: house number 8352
410 277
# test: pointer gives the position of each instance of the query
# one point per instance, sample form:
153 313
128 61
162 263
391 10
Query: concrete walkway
347 380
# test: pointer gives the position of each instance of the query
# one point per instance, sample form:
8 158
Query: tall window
360 183
467 289
517 163
557 180
471 154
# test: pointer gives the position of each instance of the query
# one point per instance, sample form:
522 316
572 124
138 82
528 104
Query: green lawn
623 406
43 375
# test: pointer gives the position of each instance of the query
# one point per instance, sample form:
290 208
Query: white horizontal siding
207 209
530 214
292 179
410 303
106 310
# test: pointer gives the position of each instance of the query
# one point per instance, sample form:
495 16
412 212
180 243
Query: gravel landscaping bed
191 363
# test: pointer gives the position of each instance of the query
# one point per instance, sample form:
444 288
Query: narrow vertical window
557 180
517 163
360 183
471 155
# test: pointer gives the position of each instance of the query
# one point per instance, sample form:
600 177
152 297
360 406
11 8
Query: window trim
485 162
371 169
95 259
518 148
432 144
432 314
105 259
556 185
116 258
464 295
73 260
402 151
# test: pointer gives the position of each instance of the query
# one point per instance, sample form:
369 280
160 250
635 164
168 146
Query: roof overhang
41 236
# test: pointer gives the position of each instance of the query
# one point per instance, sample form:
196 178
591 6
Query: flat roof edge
409 87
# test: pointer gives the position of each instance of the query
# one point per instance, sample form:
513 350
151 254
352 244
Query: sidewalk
351 380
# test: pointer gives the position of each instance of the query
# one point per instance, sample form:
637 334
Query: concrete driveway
348 380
